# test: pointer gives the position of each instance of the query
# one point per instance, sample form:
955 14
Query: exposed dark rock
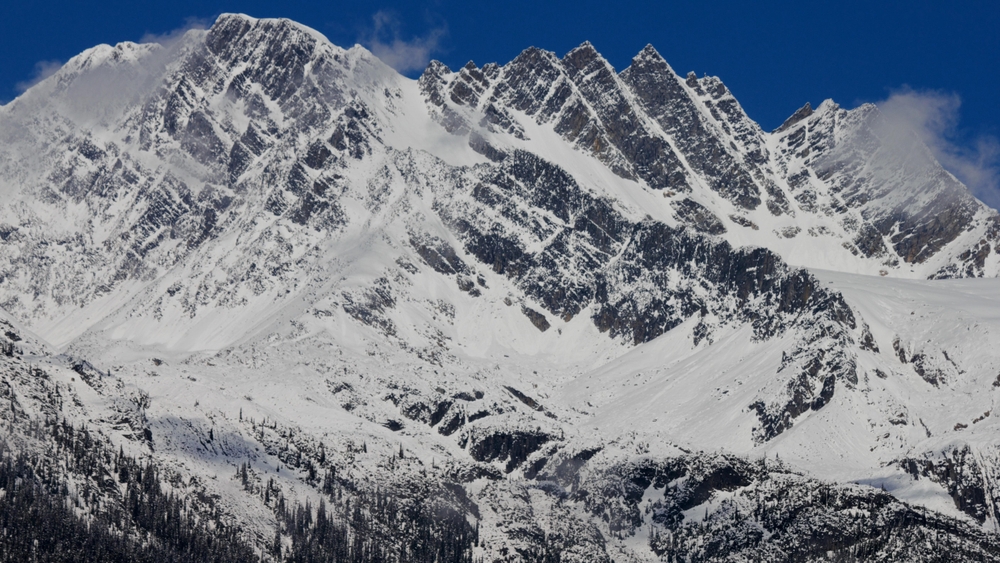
536 318
900 350
532 470
438 254
838 148
468 286
524 398
811 389
370 304
353 131
764 502
439 412
800 114
483 147
469 472
972 261
664 98
317 155
433 85
744 222
926 370
656 249
700 218
200 140
568 468
868 341
960 473
477 415
615 124
514 446
451 423
921 236
869 242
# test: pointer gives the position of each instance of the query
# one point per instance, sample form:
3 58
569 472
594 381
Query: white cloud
405 56
43 70
934 117
171 37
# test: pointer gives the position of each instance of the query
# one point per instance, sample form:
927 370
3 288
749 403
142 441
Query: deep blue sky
773 55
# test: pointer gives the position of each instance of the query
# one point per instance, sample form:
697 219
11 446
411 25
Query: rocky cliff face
520 294
869 191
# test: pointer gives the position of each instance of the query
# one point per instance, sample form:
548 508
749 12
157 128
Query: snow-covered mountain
591 314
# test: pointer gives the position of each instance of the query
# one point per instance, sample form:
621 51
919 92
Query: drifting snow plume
933 117
170 38
43 70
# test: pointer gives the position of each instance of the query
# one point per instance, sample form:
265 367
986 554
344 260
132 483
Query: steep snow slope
541 287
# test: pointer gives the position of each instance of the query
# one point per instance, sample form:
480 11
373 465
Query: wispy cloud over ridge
171 37
386 43
43 70
934 117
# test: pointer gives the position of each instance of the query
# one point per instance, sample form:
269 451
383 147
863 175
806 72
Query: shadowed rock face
741 525
276 54
649 156
512 447
905 198
698 217
596 256
890 201
664 98
642 279
965 478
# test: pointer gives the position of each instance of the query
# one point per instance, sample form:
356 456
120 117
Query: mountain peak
586 57
828 105
585 50
229 18
800 114
534 56
436 67
649 60
231 26
648 53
